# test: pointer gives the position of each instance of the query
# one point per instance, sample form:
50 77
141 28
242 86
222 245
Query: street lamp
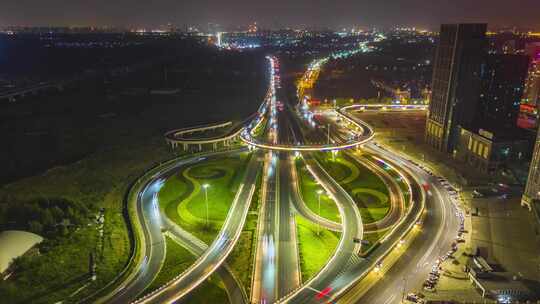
328 136
319 192
205 187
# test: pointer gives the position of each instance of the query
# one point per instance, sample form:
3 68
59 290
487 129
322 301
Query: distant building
400 93
426 95
531 94
509 47
527 118
455 83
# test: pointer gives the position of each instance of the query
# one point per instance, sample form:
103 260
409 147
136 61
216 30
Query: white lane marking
390 299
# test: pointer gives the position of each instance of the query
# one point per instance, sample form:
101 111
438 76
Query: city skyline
278 14
247 152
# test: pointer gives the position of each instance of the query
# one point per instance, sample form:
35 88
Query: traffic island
311 194
185 195
316 246
366 188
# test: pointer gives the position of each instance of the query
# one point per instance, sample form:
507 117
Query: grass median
316 246
309 189
241 257
211 291
177 259
366 188
397 177
183 195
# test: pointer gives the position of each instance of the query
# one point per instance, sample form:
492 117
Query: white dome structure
14 243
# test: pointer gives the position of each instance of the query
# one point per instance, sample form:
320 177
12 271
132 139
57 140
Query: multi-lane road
276 275
220 248
439 230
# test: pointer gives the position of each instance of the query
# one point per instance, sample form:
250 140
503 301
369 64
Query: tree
47 218
35 227
63 230
57 213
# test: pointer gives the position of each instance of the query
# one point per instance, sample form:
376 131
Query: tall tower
455 83
531 95
502 79
532 188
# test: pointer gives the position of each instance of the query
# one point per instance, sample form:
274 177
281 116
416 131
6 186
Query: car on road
429 288
414 298
477 194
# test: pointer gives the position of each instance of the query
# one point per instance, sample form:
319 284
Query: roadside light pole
319 192
328 133
205 187
404 286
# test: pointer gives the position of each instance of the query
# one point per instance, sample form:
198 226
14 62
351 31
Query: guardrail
408 222
384 107
189 269
367 130
341 210
133 224
151 296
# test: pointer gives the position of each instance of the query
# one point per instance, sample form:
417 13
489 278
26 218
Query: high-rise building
502 78
531 95
455 83
492 138
532 188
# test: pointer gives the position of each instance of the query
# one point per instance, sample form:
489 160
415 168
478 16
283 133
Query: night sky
276 13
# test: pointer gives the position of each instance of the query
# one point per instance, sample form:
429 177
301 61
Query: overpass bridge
183 137
13 95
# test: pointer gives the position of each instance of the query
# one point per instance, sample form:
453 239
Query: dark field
85 145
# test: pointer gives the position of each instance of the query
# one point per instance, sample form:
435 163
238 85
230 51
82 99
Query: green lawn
367 189
89 151
315 249
183 200
100 180
174 188
400 181
211 291
309 188
241 258
183 196
177 259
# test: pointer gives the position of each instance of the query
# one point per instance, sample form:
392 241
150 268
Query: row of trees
49 217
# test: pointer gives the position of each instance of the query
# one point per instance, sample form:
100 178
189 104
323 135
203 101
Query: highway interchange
426 225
